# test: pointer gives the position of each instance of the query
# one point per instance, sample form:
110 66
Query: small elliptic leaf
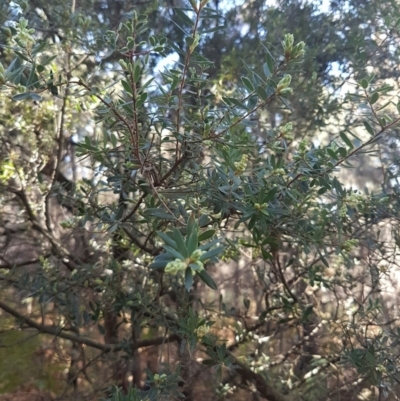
206 235
342 152
374 98
368 127
136 73
364 83
267 71
126 87
346 140
248 84
270 62
262 93
331 154
141 100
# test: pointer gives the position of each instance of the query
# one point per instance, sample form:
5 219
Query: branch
70 261
266 389
57 332
8 265
352 153
60 140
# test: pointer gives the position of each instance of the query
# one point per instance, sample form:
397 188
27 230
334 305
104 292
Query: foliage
182 178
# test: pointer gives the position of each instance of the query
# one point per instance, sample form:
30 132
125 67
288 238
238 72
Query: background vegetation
199 200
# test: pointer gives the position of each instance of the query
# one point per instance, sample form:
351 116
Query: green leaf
192 241
173 252
364 83
48 60
324 183
270 195
161 261
31 77
212 253
252 102
346 140
136 73
331 153
13 66
195 266
286 103
131 44
144 86
53 89
153 41
262 93
126 87
39 47
230 101
189 41
180 242
209 244
168 240
324 261
252 222
368 127
269 59
182 210
374 98
207 279
227 100
141 100
191 225
184 17
113 139
157 212
27 95
267 70
206 235
248 84
188 279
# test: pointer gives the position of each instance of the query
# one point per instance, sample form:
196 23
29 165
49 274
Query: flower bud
241 165
175 266
286 91
196 255
288 42
299 49
284 82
